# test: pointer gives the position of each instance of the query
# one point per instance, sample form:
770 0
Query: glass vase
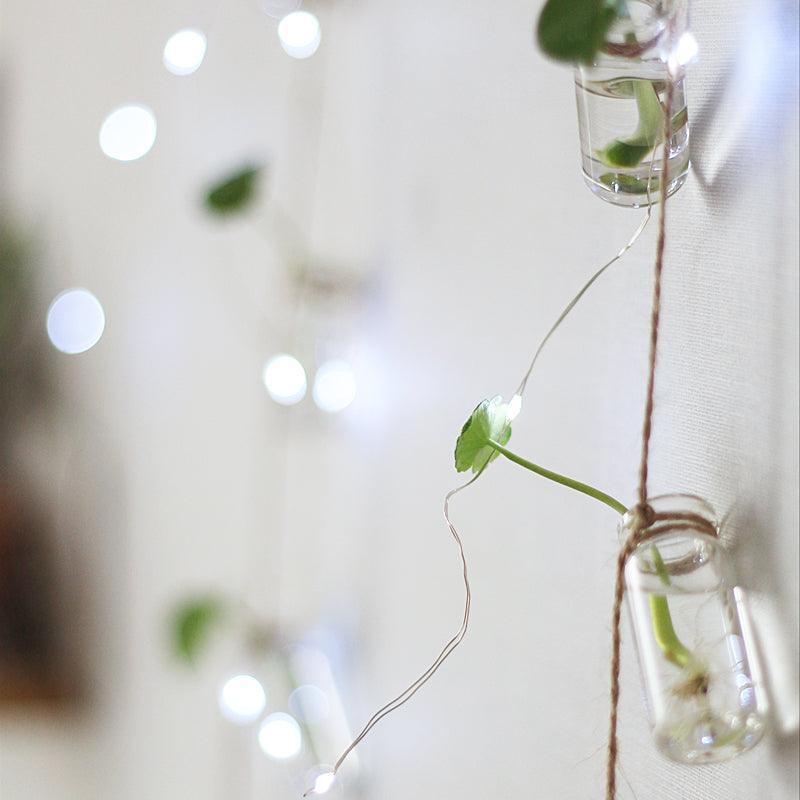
621 104
703 683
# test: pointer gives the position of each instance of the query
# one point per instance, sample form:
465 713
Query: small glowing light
514 407
128 133
75 321
242 699
300 34
184 52
280 736
309 703
324 782
684 53
334 386
279 8
285 379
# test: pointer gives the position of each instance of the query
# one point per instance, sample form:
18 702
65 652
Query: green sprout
649 133
484 437
487 423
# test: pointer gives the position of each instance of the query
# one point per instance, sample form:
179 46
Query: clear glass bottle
621 100
703 683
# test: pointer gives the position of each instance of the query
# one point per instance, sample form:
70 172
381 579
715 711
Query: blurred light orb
128 133
285 379
280 737
300 34
310 704
242 699
514 407
324 783
334 386
277 9
184 51
685 51
75 321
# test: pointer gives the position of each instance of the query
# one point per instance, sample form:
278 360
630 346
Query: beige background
428 143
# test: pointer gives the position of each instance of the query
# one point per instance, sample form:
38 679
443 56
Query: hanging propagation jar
704 686
621 104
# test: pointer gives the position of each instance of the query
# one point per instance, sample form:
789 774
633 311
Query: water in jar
622 100
704 685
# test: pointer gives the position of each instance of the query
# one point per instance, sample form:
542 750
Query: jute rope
644 523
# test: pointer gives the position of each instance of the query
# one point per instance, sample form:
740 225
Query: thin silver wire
448 649
585 288
409 692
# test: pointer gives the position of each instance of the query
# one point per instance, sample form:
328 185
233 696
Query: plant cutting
621 60
704 690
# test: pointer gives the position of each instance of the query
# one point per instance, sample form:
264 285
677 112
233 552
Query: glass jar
703 683
621 101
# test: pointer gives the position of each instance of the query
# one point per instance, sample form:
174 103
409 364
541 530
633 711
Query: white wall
448 164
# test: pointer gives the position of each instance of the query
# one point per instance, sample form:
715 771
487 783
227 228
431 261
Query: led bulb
128 133
514 407
684 52
334 386
300 34
242 699
75 321
285 379
184 52
280 737
324 782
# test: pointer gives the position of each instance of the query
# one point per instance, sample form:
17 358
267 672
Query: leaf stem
672 647
585 488
663 628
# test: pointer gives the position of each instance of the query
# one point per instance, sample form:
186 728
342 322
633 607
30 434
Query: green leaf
193 622
489 420
233 193
575 30
649 131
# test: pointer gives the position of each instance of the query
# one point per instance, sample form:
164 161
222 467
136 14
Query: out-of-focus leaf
574 30
193 622
234 192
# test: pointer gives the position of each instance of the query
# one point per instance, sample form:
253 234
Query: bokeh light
184 51
280 737
242 699
75 321
285 379
310 704
334 386
684 52
277 9
128 133
324 783
300 34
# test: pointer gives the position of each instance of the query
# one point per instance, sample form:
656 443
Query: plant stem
631 151
672 647
562 479
663 629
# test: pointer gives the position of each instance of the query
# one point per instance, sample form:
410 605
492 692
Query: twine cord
643 514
